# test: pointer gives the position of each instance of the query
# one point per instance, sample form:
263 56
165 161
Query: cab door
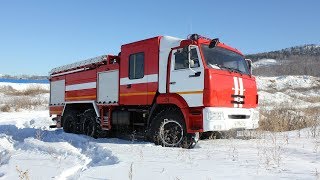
133 87
187 75
139 72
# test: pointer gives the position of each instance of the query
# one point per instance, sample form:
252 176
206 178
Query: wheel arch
172 98
80 106
165 101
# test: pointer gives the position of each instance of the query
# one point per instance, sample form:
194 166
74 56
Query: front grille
239 116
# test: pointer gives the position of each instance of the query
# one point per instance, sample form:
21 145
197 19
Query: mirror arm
249 65
189 59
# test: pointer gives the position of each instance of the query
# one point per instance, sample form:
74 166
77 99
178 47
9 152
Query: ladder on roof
78 64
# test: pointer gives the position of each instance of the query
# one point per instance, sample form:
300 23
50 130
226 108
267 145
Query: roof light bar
196 37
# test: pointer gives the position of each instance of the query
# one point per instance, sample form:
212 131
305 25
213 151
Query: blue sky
36 36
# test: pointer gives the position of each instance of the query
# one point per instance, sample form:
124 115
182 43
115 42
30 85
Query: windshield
225 59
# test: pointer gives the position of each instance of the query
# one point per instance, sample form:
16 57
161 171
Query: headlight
215 116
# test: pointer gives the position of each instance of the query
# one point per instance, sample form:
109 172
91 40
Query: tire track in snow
57 143
6 149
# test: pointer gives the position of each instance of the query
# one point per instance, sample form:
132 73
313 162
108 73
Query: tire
90 124
69 122
169 130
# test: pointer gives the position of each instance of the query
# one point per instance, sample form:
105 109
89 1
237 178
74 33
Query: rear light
257 99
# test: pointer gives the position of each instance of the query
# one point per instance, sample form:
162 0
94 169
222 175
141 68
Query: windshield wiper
229 69
224 67
237 70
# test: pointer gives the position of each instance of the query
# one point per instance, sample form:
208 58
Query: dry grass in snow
29 98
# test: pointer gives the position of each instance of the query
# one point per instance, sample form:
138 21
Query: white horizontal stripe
81 86
145 79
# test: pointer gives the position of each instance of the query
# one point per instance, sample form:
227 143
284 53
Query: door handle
196 74
172 82
128 85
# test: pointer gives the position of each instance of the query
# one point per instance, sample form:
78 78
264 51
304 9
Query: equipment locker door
108 87
187 79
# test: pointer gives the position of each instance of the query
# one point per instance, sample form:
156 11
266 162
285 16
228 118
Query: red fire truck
165 88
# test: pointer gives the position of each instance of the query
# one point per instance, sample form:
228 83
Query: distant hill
26 77
305 50
298 60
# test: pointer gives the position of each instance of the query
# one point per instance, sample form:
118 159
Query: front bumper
224 119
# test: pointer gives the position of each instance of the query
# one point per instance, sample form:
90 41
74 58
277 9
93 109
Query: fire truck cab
166 88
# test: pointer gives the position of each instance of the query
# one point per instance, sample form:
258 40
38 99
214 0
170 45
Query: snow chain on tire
91 123
172 115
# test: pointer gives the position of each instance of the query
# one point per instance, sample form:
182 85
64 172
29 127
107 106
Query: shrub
287 119
5 108
5 89
32 90
28 98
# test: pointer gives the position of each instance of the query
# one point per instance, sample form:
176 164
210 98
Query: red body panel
58 78
80 78
222 45
172 99
108 67
219 86
55 110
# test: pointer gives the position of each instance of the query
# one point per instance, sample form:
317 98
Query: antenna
190 26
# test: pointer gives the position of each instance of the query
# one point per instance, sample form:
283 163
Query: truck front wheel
169 130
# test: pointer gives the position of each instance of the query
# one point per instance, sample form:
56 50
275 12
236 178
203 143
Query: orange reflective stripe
138 94
190 92
80 97
55 112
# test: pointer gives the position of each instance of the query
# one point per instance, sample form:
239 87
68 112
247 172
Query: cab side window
136 66
181 60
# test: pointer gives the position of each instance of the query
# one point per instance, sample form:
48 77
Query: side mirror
249 62
214 43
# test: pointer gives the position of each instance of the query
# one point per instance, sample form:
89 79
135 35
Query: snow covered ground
27 145
28 148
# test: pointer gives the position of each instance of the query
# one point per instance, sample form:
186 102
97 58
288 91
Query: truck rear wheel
69 122
169 130
91 126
